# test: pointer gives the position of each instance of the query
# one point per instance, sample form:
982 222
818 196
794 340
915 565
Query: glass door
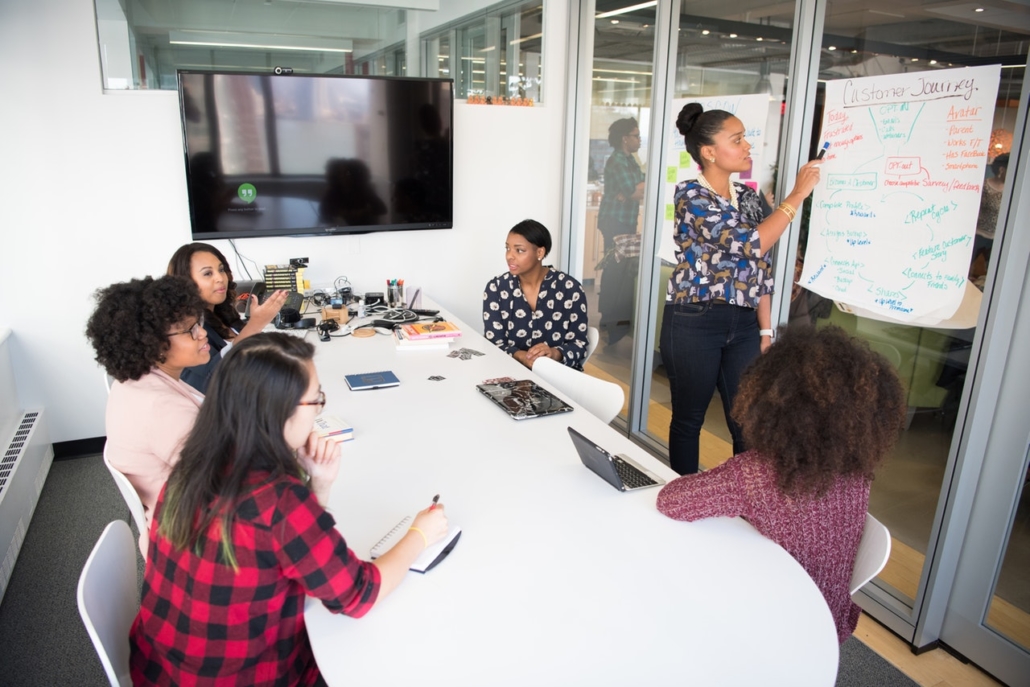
938 363
988 612
618 150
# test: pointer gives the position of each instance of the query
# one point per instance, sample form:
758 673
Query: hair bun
688 117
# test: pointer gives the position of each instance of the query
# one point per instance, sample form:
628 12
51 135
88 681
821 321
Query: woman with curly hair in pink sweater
820 411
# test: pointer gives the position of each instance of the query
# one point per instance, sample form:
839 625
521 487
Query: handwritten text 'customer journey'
895 211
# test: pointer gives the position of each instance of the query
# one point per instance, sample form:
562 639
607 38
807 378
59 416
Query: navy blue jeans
704 346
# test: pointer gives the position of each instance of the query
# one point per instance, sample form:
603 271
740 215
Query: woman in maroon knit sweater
820 411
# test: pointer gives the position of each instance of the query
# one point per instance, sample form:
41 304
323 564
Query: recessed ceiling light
759 38
733 35
705 32
915 59
854 52
979 9
832 47
615 21
933 61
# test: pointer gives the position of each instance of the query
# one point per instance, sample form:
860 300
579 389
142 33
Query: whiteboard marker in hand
822 151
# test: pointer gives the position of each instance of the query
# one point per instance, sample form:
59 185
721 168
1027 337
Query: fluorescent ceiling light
260 41
621 71
527 38
624 10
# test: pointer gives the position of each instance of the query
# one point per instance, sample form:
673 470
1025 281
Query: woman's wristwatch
771 333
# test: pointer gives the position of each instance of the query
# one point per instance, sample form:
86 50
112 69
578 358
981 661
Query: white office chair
873 552
108 600
128 492
593 336
603 399
108 381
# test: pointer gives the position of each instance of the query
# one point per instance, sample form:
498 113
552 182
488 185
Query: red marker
435 500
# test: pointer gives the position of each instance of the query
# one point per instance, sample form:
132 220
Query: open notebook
430 557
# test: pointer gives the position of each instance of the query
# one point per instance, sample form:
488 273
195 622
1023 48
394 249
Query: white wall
93 192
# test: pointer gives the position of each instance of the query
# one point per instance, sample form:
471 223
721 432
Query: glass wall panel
620 117
143 42
1009 611
494 54
732 56
933 362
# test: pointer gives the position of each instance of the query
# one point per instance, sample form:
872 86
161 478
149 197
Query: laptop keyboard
631 477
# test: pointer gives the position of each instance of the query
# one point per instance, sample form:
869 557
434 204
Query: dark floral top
716 248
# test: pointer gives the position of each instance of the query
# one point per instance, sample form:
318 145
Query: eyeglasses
193 331
320 402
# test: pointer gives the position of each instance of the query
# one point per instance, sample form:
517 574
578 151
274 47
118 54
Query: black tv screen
282 155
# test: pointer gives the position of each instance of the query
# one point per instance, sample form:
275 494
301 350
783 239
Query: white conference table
558 578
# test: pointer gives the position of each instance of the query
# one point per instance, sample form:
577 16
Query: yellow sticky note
670 212
685 159
670 175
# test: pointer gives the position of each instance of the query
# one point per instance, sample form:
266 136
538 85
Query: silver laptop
622 472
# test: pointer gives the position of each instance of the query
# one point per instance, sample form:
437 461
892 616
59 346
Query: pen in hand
822 151
436 499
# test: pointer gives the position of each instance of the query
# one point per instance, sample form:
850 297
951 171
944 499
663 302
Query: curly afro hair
819 403
129 327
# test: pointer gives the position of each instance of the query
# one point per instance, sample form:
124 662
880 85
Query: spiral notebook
428 558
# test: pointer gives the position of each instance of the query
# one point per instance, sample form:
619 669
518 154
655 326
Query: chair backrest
603 399
593 336
873 552
108 599
108 381
128 492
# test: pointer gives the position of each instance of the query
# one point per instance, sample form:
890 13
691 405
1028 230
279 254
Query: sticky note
685 159
670 212
670 175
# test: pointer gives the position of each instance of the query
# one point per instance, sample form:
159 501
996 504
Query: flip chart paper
894 214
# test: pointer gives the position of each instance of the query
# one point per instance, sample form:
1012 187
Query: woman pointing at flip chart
717 311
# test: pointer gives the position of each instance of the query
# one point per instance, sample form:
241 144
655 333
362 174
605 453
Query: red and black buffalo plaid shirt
200 622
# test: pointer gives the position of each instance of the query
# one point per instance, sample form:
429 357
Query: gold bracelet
790 212
424 538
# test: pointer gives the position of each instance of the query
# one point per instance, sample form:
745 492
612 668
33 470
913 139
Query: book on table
332 426
430 330
407 344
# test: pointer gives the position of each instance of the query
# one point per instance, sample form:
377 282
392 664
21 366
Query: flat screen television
289 155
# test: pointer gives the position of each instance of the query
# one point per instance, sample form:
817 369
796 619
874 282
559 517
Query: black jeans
704 346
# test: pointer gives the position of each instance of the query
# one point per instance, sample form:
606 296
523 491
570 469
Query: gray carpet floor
43 639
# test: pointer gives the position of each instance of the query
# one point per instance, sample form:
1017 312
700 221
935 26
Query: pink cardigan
147 422
822 533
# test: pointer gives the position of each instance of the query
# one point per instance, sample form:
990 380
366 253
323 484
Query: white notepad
429 557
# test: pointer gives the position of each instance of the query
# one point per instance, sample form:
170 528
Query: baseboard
65 450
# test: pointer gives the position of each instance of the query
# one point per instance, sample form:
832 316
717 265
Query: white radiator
24 464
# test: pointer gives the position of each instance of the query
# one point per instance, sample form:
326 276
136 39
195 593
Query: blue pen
826 146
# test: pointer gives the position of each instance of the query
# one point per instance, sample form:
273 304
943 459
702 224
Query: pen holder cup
396 296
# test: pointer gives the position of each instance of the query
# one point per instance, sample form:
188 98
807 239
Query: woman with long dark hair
243 536
820 411
717 307
209 270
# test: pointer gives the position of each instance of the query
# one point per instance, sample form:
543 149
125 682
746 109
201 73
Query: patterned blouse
715 248
560 318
